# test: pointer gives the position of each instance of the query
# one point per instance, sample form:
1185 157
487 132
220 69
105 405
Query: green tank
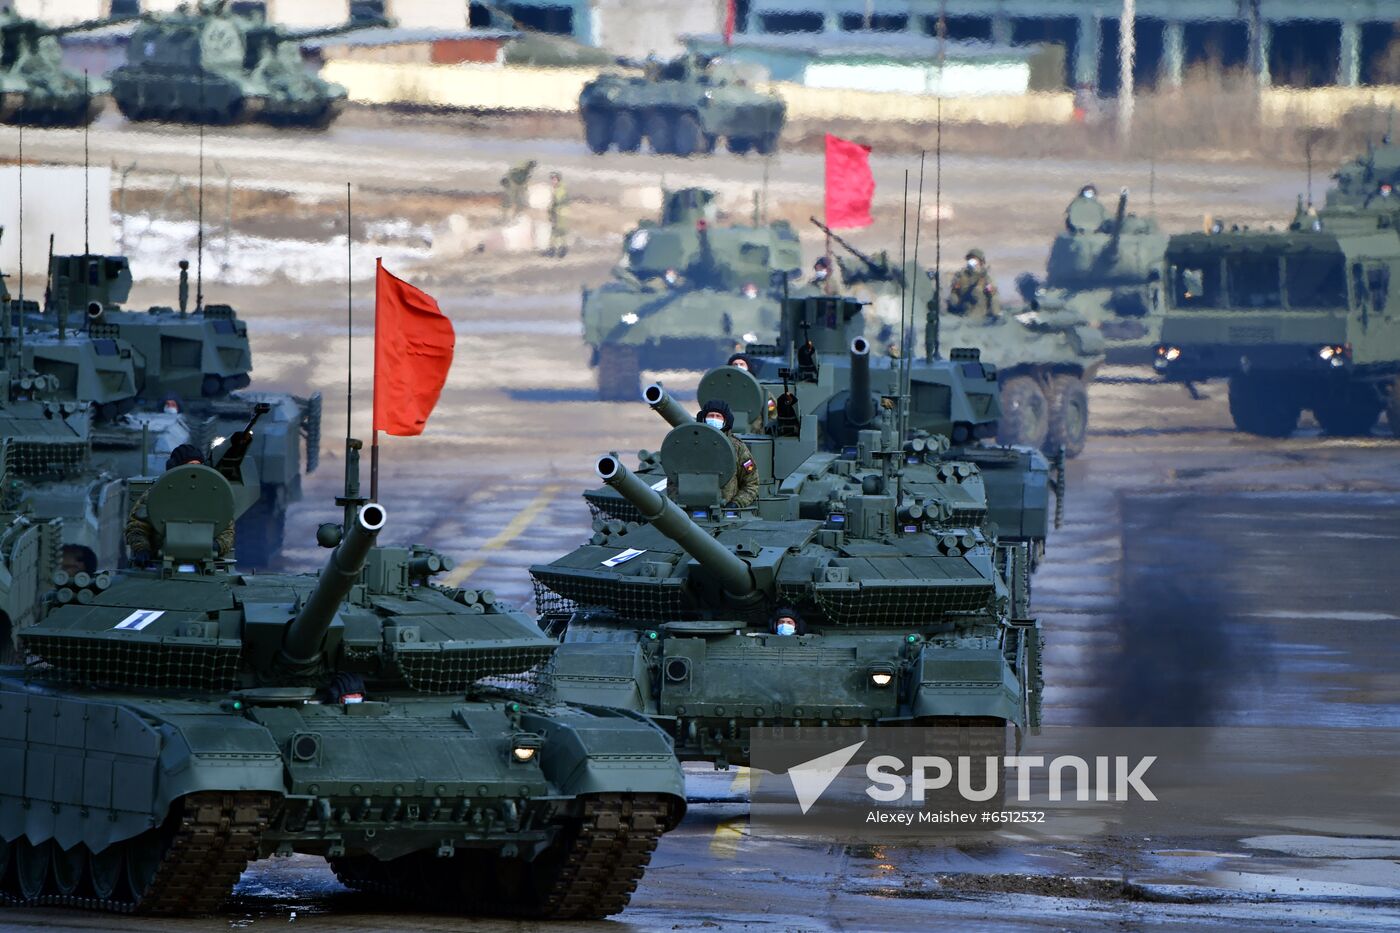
682 107
913 611
198 362
686 294
405 731
1303 318
35 88
1044 357
214 65
1108 268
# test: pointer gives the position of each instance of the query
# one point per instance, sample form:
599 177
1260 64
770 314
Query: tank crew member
739 361
558 203
77 558
741 490
972 294
514 184
821 270
141 535
787 621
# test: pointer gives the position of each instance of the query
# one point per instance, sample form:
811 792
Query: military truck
687 293
682 107
35 88
1296 319
1108 268
1044 357
200 361
181 719
215 65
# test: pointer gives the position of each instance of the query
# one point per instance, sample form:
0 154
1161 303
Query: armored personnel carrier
883 550
405 731
1108 268
196 363
1296 319
687 293
1044 357
35 88
682 107
214 65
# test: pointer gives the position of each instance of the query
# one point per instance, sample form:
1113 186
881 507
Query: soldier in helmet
514 185
972 294
141 538
742 488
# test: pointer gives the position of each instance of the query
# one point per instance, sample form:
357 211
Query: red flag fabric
729 23
413 344
849 184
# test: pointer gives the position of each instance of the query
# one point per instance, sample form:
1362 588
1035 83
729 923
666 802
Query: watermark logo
810 779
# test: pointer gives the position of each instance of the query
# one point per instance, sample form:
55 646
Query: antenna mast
9 309
199 210
931 322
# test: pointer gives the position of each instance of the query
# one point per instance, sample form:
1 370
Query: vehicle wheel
686 135
627 135
106 868
766 144
1392 407
69 868
1263 406
738 144
1025 413
258 533
597 131
658 126
619 373
31 868
1348 410
1068 399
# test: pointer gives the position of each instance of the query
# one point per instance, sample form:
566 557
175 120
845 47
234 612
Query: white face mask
715 421
787 628
171 408
973 264
820 275
740 364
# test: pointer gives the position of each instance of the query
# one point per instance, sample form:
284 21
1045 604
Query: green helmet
978 255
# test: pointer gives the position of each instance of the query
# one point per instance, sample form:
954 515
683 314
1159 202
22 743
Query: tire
627 135
619 373
1392 407
597 131
738 144
766 144
687 137
659 132
1348 410
1068 399
1025 413
1267 407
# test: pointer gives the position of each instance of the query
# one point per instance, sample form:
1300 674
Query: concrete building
298 14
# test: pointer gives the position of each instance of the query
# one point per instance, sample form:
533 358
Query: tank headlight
630 318
881 676
524 748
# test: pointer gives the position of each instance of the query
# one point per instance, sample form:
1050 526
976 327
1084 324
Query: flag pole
374 438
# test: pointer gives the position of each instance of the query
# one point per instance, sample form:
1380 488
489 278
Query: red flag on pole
729 23
849 184
413 343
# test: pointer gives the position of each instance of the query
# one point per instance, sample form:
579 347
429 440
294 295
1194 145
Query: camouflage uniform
514 185
558 199
972 294
141 534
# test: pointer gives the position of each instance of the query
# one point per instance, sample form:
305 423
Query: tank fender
966 682
604 673
596 750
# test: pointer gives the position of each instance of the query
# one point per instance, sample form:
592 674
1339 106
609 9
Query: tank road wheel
626 132
107 872
1392 407
1025 413
1069 415
766 144
31 868
1348 410
597 130
69 868
659 132
738 144
619 373
1263 406
687 137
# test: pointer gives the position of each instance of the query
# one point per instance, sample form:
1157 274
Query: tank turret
35 88
302 645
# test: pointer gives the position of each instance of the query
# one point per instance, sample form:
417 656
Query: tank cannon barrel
304 635
863 257
336 30
88 24
1118 218
860 408
667 517
661 402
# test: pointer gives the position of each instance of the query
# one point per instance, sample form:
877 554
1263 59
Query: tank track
599 867
211 842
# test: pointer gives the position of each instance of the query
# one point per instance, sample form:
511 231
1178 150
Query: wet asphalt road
1293 541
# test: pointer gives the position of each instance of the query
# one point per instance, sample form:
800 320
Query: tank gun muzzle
860 407
668 518
302 644
661 402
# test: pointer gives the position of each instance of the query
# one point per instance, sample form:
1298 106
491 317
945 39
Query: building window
558 20
791 22
125 8
877 22
367 11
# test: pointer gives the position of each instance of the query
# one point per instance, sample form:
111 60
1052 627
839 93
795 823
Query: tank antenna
8 311
87 212
351 499
906 333
931 323
199 210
